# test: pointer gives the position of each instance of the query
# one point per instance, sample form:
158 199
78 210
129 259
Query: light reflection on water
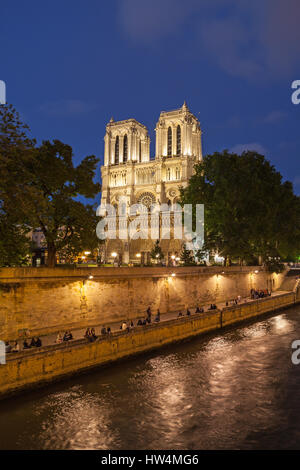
236 390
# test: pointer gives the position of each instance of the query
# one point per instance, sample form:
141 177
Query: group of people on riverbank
259 294
126 326
67 336
34 343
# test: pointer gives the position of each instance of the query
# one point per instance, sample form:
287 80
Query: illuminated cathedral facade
131 176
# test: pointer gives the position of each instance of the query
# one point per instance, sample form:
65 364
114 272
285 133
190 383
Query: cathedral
131 176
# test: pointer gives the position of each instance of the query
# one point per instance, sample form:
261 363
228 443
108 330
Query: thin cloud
274 116
256 40
146 21
63 108
254 146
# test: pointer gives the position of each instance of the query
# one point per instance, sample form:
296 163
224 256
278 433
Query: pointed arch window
117 148
168 174
169 142
140 151
178 140
125 149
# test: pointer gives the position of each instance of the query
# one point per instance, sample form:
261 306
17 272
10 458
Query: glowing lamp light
138 255
173 256
83 257
173 274
87 252
91 276
114 254
177 259
157 256
256 271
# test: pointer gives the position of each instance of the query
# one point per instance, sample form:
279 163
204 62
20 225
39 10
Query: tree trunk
51 261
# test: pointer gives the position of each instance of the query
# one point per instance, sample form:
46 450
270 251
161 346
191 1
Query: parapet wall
44 300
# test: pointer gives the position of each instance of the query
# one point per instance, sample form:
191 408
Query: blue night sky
71 65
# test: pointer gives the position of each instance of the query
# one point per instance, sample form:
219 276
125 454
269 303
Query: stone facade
130 176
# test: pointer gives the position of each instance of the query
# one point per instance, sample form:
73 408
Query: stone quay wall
33 368
45 301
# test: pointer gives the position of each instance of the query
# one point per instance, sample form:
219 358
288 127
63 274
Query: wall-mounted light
256 271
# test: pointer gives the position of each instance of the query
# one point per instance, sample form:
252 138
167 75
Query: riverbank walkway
79 333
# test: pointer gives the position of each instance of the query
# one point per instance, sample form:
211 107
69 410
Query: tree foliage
40 185
156 253
187 256
249 211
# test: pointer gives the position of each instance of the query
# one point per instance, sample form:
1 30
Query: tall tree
187 256
44 185
249 211
156 253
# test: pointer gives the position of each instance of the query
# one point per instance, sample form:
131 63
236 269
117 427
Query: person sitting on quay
59 338
7 347
108 330
124 326
212 307
16 347
157 318
68 336
35 342
180 314
103 330
140 322
199 310
131 326
25 344
145 321
188 313
87 333
93 334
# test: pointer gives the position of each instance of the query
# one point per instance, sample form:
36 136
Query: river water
235 390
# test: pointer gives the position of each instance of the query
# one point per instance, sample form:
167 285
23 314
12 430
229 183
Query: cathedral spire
184 106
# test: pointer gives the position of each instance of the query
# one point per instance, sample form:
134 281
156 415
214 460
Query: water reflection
235 390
